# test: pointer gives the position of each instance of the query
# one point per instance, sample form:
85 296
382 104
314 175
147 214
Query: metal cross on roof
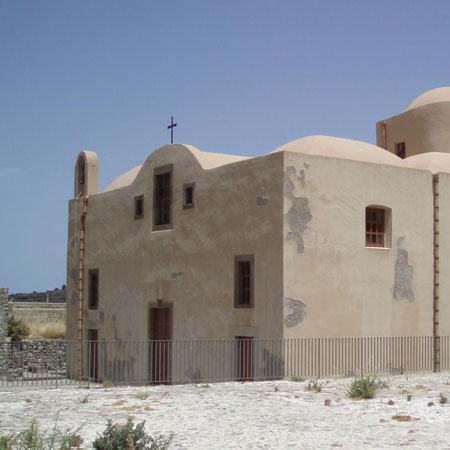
171 127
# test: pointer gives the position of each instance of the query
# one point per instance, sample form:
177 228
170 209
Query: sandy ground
263 415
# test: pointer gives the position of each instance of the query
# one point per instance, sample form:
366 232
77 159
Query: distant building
323 237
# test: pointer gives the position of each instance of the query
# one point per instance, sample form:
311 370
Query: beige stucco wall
238 211
424 129
444 254
346 288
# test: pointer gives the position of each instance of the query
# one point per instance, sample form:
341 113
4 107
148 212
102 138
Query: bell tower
86 174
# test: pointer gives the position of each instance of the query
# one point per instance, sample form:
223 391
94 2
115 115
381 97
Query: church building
322 237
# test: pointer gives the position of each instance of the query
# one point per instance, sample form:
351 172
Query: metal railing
147 362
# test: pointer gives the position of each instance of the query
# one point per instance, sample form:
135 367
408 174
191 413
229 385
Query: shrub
314 386
365 388
17 329
443 399
33 439
129 437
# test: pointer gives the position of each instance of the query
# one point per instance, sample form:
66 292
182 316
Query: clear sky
240 77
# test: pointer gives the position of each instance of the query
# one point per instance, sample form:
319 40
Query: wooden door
161 345
93 355
244 358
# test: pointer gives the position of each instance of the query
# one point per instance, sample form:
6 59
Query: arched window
378 226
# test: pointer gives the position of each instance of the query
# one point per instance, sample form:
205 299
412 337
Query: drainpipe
436 338
383 134
80 288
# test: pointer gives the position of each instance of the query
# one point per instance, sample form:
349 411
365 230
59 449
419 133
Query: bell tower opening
86 174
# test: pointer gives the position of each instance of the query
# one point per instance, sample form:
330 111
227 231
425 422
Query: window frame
158 223
238 281
138 199
93 292
186 186
378 227
400 147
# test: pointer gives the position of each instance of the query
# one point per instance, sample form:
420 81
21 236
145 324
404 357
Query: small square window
93 289
188 195
243 281
139 207
400 150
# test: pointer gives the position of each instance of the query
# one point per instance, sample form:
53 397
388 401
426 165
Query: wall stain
403 274
299 214
262 201
298 312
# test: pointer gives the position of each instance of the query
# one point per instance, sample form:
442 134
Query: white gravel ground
260 415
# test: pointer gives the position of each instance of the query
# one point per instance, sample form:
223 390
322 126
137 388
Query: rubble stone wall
4 308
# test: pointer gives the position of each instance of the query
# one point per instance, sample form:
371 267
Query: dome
124 180
209 160
335 147
437 95
435 162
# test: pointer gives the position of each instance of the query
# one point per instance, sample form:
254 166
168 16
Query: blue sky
240 77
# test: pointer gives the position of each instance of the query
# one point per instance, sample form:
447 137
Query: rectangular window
243 284
162 203
188 195
375 227
93 289
139 207
400 150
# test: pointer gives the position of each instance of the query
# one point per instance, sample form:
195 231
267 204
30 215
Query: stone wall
39 312
30 360
3 313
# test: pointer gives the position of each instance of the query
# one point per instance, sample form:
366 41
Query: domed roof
341 148
435 162
124 180
209 160
437 95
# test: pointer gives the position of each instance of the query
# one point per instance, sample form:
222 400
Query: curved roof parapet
435 162
124 180
206 160
210 160
335 147
437 95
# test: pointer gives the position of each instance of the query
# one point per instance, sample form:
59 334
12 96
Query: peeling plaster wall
403 273
238 211
347 289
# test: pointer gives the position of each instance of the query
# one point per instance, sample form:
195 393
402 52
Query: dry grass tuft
130 408
107 384
314 386
403 418
119 403
142 395
420 387
47 330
